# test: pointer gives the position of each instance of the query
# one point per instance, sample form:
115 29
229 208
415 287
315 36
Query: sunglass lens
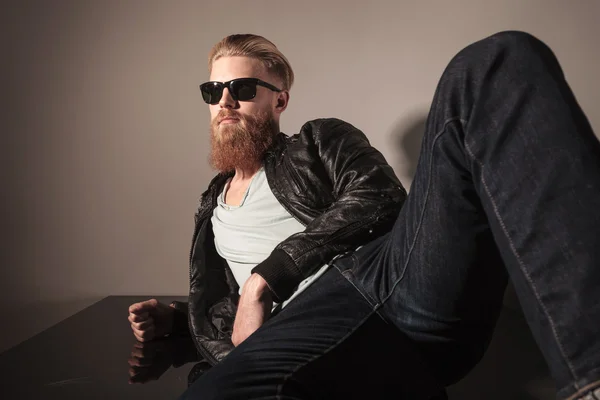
244 91
211 92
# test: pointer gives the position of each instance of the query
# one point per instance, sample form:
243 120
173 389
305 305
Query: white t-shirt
245 235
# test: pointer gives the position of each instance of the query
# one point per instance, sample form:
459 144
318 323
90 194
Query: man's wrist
179 322
257 286
170 319
281 273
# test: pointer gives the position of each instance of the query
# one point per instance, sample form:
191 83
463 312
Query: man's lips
228 120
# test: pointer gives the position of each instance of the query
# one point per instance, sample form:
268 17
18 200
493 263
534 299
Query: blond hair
257 47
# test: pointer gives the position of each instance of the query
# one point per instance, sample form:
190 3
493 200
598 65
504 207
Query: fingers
139 362
137 352
141 322
142 355
138 317
143 306
144 335
142 326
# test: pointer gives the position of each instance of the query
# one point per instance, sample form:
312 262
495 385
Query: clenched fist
150 319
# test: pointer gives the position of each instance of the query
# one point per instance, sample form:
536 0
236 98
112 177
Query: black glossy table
87 355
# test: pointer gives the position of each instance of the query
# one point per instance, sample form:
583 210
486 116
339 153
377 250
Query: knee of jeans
519 50
508 44
515 54
518 43
514 39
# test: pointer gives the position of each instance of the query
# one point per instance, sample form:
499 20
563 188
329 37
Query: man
506 185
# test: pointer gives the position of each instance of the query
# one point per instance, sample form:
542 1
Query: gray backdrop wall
104 133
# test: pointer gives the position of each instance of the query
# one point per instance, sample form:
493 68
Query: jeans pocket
347 266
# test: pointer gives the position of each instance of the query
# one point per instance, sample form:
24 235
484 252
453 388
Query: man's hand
150 319
254 308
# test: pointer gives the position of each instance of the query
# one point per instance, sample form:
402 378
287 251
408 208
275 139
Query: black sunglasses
242 89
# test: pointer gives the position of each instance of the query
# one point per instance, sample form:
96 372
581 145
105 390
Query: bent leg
509 174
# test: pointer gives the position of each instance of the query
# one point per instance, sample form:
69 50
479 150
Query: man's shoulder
322 125
322 129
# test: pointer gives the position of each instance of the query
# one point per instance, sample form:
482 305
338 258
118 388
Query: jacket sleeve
368 197
180 317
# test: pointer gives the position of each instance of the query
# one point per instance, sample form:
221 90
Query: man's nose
227 100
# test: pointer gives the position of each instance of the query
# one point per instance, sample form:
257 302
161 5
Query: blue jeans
328 343
507 186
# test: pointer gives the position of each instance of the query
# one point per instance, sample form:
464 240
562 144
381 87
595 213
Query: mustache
228 114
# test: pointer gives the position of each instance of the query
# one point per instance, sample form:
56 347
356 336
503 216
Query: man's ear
283 99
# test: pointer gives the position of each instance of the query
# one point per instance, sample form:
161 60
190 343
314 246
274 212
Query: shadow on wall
406 138
513 367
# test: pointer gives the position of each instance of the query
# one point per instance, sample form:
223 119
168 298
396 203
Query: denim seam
372 303
330 348
348 275
521 264
422 216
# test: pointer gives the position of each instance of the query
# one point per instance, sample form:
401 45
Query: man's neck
234 192
245 174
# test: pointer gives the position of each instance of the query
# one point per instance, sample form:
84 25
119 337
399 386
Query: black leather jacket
331 180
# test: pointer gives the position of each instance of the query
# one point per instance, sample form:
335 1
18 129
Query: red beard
243 144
